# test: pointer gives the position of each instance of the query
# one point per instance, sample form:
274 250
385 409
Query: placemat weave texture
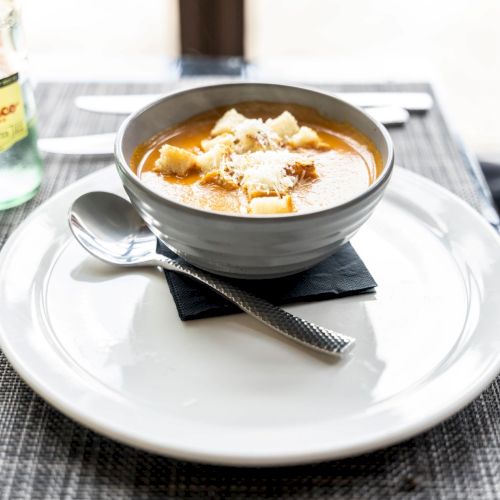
44 455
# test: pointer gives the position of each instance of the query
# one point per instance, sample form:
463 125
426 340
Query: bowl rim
123 165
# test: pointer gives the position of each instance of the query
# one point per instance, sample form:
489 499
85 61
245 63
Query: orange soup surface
258 158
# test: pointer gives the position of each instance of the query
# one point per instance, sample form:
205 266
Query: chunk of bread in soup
285 125
211 159
225 139
254 135
228 122
176 161
271 205
305 137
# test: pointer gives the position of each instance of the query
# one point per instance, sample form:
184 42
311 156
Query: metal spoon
109 228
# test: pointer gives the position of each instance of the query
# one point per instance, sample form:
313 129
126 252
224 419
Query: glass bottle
20 163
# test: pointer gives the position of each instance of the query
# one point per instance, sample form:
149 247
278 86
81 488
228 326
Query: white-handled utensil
87 145
126 104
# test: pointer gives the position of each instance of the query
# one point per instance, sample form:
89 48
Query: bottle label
13 126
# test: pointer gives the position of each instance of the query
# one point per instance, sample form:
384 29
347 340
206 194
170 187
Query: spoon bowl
109 228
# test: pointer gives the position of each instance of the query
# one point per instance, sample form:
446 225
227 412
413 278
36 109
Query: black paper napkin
340 275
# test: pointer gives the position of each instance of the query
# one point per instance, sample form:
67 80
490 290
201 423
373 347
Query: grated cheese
263 172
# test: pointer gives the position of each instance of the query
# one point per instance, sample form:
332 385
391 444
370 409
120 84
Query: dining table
44 454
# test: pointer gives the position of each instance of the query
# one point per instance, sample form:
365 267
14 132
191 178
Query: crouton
254 135
285 125
224 139
220 178
271 205
257 183
227 123
212 159
303 169
305 137
175 161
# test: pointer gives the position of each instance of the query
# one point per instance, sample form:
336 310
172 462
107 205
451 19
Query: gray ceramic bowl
247 246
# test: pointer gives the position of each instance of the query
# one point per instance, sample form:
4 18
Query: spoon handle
298 329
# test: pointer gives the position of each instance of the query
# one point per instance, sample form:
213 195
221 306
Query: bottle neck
12 46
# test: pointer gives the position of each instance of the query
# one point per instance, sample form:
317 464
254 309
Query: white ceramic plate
106 347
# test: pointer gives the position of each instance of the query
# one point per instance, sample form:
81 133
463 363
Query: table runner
45 455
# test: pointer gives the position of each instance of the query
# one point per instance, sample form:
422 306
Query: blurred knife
103 144
126 104
95 145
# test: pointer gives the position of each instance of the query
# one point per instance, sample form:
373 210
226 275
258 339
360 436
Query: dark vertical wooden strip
211 27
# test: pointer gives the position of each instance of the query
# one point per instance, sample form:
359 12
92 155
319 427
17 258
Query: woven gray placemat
45 455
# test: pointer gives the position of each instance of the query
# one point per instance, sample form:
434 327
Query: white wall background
98 26
456 42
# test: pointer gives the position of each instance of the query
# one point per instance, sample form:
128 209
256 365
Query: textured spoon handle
298 329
